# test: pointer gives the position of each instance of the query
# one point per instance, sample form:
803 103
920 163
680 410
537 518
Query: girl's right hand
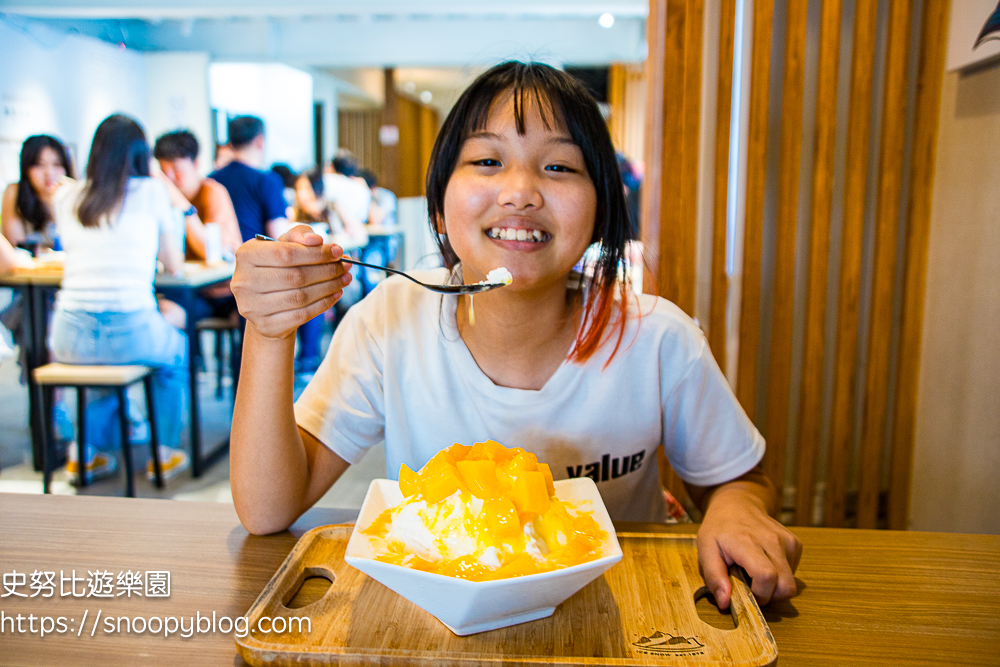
280 286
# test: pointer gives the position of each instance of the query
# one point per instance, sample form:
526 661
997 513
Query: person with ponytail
114 227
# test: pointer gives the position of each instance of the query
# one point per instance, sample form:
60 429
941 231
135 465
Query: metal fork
474 288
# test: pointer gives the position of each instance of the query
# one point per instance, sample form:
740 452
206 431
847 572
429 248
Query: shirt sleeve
273 196
161 207
707 436
343 406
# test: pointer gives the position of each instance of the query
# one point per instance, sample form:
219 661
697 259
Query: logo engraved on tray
660 643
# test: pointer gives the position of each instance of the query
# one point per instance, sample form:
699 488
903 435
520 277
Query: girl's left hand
737 529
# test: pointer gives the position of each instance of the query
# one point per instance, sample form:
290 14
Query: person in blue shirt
258 196
259 199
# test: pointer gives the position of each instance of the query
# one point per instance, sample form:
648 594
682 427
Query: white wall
325 91
956 458
177 98
64 85
279 95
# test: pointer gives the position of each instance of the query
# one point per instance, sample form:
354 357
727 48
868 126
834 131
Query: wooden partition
406 156
830 434
357 131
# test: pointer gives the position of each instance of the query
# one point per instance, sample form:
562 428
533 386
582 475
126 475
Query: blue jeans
142 337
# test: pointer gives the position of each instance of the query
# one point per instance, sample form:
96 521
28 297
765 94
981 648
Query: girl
114 226
27 204
587 376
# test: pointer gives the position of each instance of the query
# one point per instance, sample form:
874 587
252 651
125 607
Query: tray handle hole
313 584
709 612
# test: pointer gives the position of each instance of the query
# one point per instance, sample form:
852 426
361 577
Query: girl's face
47 172
524 202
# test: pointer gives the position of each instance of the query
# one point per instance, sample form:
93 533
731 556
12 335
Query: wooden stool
222 327
81 378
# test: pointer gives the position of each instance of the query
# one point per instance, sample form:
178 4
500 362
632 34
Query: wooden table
867 597
35 283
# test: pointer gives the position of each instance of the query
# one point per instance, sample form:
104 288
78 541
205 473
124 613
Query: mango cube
438 480
492 450
458 451
480 477
408 482
519 566
501 518
530 494
547 473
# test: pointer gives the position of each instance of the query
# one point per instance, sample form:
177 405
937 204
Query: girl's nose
520 190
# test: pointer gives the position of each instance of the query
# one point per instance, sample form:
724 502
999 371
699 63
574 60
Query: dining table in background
866 597
38 283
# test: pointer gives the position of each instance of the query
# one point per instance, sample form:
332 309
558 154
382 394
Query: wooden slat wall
357 131
674 101
760 73
669 206
656 30
811 401
627 99
890 180
844 375
679 171
780 372
933 39
723 111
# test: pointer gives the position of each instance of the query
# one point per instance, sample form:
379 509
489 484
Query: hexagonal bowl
467 607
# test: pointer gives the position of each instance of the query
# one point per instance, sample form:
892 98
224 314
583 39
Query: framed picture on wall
973 33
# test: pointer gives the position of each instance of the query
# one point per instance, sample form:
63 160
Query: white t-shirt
110 268
352 196
398 369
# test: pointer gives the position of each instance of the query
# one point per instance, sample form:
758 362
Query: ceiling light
409 86
426 97
606 20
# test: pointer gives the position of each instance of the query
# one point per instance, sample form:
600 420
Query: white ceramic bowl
467 607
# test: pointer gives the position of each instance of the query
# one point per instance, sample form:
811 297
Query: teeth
512 234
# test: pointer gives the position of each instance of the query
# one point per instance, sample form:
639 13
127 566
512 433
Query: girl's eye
560 168
487 162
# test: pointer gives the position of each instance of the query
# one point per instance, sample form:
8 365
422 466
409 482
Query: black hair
30 207
315 177
559 99
244 129
176 145
370 178
288 177
118 153
344 164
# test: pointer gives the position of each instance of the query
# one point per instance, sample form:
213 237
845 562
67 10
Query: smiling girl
581 372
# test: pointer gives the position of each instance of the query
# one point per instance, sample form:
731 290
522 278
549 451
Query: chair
223 327
81 378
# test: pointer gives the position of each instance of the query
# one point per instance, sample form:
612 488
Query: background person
203 200
27 204
257 195
114 227
347 195
27 221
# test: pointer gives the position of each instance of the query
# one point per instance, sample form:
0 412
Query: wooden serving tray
640 612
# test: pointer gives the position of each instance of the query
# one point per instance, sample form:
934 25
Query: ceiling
341 33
